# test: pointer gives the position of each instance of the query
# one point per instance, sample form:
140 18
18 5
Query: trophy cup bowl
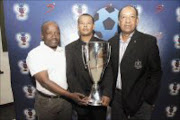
96 57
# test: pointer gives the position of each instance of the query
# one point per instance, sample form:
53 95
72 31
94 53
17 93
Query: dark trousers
91 112
117 111
52 108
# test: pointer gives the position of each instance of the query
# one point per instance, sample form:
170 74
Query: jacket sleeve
73 85
155 72
107 81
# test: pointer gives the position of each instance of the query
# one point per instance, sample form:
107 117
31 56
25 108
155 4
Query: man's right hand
79 98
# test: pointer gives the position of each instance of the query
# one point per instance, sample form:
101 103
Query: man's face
85 25
51 35
128 20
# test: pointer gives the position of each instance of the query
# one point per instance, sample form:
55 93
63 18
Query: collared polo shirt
54 62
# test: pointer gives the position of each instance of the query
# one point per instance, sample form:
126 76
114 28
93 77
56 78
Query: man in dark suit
78 77
136 67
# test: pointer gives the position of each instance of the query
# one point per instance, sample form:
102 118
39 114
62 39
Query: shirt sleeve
36 63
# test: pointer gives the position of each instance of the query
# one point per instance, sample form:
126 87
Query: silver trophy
96 57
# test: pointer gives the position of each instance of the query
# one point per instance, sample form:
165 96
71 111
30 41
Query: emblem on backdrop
175 65
159 8
174 88
29 91
30 114
158 35
23 67
21 11
171 111
79 9
178 14
23 39
139 8
177 41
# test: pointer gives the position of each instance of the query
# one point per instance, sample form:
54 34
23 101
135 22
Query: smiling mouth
54 41
127 25
85 30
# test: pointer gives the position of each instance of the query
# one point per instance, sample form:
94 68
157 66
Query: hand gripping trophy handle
96 56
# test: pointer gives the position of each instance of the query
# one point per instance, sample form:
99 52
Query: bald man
47 63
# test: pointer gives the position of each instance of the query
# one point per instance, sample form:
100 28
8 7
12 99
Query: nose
128 19
54 35
85 24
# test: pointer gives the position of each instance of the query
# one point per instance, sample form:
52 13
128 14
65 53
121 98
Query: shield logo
138 64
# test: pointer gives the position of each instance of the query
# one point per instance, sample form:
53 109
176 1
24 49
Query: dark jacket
140 70
78 77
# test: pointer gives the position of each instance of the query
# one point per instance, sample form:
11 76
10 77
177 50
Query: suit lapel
131 45
79 53
116 54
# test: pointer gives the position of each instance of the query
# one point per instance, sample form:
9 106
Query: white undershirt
122 48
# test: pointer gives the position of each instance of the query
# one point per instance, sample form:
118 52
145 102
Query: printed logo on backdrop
159 8
178 14
50 7
158 35
177 41
174 88
29 91
23 39
175 65
23 67
106 22
139 8
171 111
21 10
79 9
30 114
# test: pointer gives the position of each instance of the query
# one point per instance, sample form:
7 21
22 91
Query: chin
128 32
54 46
86 34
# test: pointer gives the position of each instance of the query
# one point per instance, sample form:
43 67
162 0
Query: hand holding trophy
96 57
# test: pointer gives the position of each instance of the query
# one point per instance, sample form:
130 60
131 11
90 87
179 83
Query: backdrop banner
23 20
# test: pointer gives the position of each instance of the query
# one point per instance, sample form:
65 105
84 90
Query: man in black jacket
136 67
78 77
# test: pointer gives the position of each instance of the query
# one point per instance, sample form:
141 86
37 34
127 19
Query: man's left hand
105 101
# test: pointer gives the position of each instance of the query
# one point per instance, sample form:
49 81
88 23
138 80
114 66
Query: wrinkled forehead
128 10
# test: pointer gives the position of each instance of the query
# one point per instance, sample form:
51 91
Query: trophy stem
95 96
96 56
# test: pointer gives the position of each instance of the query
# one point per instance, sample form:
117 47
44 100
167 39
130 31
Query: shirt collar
83 43
58 49
128 40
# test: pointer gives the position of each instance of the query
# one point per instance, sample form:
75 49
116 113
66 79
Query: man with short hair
47 63
78 77
137 69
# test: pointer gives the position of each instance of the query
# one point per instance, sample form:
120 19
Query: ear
42 37
137 21
93 26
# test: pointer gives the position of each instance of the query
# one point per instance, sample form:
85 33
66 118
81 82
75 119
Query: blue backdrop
23 19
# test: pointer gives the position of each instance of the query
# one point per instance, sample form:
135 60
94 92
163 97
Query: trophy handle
84 52
109 54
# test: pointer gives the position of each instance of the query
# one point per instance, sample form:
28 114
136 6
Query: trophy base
94 103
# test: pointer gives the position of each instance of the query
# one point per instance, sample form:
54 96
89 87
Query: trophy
96 56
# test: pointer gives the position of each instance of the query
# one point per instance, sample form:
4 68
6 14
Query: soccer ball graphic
106 22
